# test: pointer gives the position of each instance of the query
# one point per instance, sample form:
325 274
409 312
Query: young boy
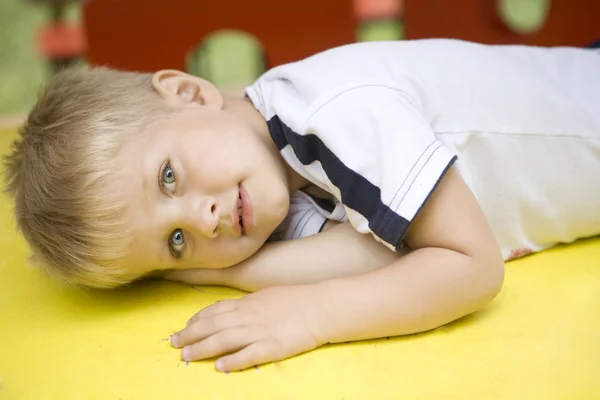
406 173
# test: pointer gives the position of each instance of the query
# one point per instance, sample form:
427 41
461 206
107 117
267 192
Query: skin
183 190
332 287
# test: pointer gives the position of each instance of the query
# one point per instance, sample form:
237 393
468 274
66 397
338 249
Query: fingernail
185 354
174 341
219 365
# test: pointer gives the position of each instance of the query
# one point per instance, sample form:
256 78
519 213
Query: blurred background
232 42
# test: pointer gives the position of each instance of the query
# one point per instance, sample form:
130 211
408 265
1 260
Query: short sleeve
379 156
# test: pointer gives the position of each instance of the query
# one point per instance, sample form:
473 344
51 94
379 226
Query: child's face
184 177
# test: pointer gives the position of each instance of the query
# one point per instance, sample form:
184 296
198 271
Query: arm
456 268
336 252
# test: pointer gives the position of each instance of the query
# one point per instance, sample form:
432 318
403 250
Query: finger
257 353
220 307
220 343
204 328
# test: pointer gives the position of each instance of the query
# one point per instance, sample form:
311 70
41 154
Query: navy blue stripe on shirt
594 45
357 192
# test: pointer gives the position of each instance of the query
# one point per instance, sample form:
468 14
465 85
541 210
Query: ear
179 89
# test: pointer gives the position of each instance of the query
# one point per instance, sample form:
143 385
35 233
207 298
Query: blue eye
176 242
168 178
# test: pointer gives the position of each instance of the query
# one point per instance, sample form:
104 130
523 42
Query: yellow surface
539 340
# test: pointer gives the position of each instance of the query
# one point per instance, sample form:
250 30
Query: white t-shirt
377 124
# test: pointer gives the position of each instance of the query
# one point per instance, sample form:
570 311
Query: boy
406 173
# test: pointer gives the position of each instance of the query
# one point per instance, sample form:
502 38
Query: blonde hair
61 167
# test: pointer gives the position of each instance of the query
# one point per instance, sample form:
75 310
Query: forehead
132 177
140 261
145 252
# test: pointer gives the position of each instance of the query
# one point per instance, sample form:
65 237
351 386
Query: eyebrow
145 184
162 254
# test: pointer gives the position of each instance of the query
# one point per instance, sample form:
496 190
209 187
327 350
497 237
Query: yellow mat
540 339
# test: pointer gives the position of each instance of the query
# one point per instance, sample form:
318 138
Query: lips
236 215
245 211
242 215
239 211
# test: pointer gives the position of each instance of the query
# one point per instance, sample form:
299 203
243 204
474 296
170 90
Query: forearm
339 252
421 291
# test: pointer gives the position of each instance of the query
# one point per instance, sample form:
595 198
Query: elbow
495 278
489 272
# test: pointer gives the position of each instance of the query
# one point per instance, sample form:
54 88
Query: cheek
210 167
223 254
277 195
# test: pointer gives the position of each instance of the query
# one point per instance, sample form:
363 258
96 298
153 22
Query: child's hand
265 326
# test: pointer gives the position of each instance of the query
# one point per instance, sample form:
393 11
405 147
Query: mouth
236 216
239 212
245 212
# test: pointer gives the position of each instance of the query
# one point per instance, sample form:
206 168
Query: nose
204 217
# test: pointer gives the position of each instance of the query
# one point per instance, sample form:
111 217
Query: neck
244 109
